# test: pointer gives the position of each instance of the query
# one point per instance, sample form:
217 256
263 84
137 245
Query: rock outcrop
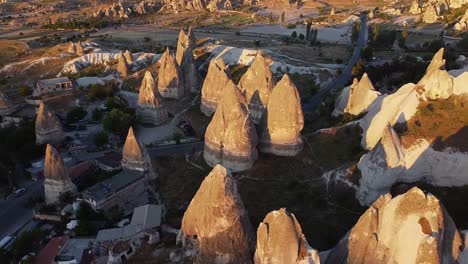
437 82
256 85
215 227
430 14
79 49
410 228
48 127
128 56
6 105
280 129
150 108
462 24
356 98
217 78
148 6
415 8
56 176
134 156
122 65
231 138
186 61
71 48
116 10
170 80
280 240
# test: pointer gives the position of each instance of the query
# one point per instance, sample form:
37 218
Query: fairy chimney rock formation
231 138
280 240
150 108
186 61
48 127
216 80
437 82
122 65
430 14
215 225
283 120
71 48
56 177
361 95
79 49
257 84
410 228
170 80
128 56
133 155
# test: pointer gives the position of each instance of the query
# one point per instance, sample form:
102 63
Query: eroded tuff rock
280 240
186 61
79 49
462 24
148 6
71 48
216 80
7 106
122 65
170 80
256 85
282 121
215 227
128 56
410 228
48 127
430 14
56 176
231 138
134 156
150 108
437 83
116 10
415 8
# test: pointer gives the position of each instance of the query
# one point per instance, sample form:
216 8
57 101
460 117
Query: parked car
19 191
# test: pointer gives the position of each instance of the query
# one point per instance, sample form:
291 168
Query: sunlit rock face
128 57
56 176
436 83
184 56
170 80
256 84
216 80
231 138
415 8
79 49
462 24
122 65
280 240
133 155
283 120
48 127
357 98
410 228
215 227
71 48
430 14
150 108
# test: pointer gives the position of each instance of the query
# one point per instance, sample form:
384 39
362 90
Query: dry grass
443 122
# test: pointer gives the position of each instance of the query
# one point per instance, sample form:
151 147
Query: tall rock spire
133 155
56 176
186 61
150 107
216 225
257 84
282 121
71 48
48 127
231 138
79 49
122 65
361 95
437 82
216 80
170 79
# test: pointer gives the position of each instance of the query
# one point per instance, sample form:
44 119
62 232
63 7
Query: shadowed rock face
150 107
216 80
48 127
128 56
56 176
256 84
231 138
170 80
133 155
122 66
280 240
6 105
186 61
410 228
282 121
215 226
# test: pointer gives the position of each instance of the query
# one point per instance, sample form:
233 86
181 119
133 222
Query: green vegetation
92 70
118 121
97 115
86 23
97 91
367 53
76 114
101 138
24 91
27 242
356 28
305 84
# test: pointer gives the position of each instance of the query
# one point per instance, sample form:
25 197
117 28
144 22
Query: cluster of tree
97 91
355 30
119 120
27 242
86 23
100 139
311 34
381 38
85 215
76 114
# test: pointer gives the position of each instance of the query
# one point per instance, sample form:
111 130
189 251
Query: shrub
76 114
100 139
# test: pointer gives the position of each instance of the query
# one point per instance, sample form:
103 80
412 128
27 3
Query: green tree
375 32
100 139
355 31
76 114
97 114
66 197
24 91
283 15
28 241
367 53
294 35
463 43
177 137
301 36
117 121
271 17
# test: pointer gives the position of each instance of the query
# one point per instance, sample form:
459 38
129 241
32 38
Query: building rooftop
113 184
51 250
147 216
53 81
114 234
111 159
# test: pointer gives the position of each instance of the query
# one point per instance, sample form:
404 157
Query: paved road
313 103
13 212
179 149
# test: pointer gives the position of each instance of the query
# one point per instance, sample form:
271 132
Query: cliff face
282 121
231 138
150 107
48 127
410 228
215 226
170 79
217 78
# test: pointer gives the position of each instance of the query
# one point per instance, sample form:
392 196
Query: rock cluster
256 84
56 176
410 228
215 227
150 108
282 122
356 98
463 23
116 10
217 78
134 156
280 240
128 57
147 6
122 65
184 56
79 49
170 78
231 138
48 127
